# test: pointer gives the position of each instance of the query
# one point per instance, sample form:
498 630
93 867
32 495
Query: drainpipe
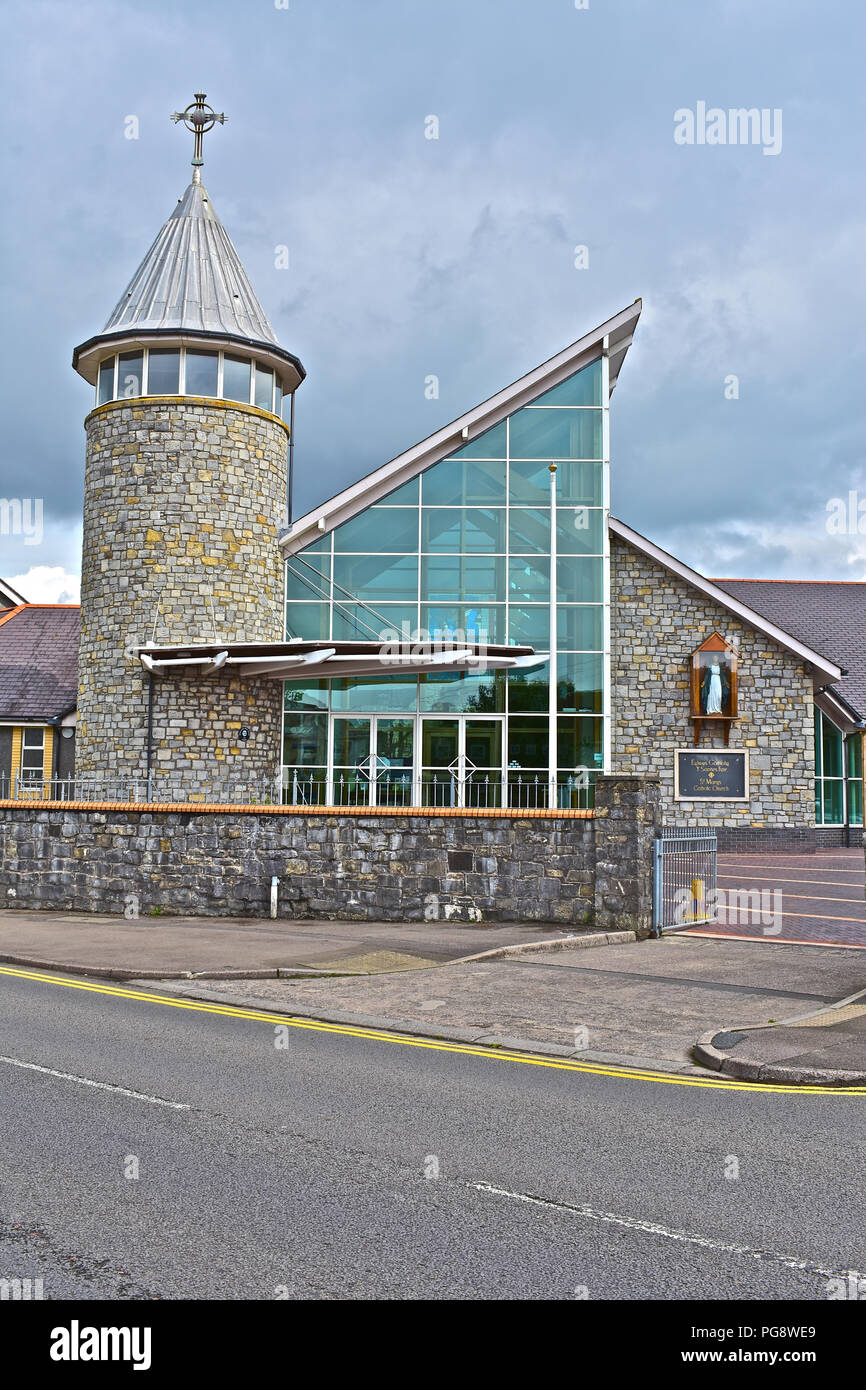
291 453
275 889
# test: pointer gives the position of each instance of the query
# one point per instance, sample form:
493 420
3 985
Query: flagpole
552 694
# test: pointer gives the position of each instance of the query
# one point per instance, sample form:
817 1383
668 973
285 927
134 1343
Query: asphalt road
309 1170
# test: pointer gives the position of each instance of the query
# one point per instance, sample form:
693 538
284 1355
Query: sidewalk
640 1004
826 1048
164 948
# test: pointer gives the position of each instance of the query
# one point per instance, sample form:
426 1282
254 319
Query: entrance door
440 762
351 752
482 760
394 768
373 761
461 761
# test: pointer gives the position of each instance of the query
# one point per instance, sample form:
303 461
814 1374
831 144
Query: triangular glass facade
464 552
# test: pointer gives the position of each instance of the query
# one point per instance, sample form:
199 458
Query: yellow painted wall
16 752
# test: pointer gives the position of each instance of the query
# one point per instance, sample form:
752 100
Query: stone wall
657 620
182 501
572 868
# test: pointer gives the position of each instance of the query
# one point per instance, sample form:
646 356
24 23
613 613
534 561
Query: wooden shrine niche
713 686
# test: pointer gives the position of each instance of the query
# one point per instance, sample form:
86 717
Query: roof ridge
731 580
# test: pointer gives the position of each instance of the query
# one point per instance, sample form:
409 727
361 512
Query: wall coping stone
349 812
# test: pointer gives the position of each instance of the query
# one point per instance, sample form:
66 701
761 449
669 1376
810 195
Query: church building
465 627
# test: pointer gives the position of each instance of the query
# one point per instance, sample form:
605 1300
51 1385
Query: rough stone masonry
574 868
182 502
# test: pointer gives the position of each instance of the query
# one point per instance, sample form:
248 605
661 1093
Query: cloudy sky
411 256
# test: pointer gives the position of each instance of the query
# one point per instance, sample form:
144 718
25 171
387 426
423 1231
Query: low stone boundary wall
574 868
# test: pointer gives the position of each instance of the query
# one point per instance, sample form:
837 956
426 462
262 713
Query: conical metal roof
192 279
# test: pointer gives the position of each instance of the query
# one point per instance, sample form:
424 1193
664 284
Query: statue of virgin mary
714 689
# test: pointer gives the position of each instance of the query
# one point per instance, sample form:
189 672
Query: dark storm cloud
410 257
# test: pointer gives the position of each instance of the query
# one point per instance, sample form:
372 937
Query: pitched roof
829 615
612 337
192 278
39 661
808 652
9 597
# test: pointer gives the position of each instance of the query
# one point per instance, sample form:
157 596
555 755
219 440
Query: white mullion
329 769
607 713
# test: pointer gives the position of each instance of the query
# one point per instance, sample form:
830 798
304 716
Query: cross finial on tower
198 117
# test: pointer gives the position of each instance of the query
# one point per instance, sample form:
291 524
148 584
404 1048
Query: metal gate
684 878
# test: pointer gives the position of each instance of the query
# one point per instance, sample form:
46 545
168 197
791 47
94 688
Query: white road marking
653 1228
100 1085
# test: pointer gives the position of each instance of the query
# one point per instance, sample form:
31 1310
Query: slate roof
192 278
38 661
828 615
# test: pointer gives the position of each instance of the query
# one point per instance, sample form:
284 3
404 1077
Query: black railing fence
167 788
484 790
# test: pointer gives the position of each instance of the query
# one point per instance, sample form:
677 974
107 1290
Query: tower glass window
202 373
264 393
236 379
163 372
130 375
198 370
105 382
463 552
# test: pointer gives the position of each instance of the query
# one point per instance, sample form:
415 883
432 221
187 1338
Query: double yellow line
488 1054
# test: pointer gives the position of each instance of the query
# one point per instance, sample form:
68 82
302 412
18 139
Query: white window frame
181 391
32 774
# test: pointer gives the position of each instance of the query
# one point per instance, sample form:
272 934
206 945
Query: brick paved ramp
822 901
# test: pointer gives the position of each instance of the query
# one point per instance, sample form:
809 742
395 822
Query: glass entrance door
383 761
351 755
440 762
394 769
373 761
461 761
482 760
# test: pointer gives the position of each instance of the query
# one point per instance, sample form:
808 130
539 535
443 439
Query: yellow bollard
699 899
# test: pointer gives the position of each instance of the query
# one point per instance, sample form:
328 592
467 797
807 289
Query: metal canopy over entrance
326 660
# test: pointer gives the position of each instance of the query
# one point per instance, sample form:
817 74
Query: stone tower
184 492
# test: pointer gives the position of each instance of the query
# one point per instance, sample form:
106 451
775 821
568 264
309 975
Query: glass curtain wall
463 552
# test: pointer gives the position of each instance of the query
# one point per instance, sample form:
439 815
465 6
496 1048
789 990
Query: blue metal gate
684 878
